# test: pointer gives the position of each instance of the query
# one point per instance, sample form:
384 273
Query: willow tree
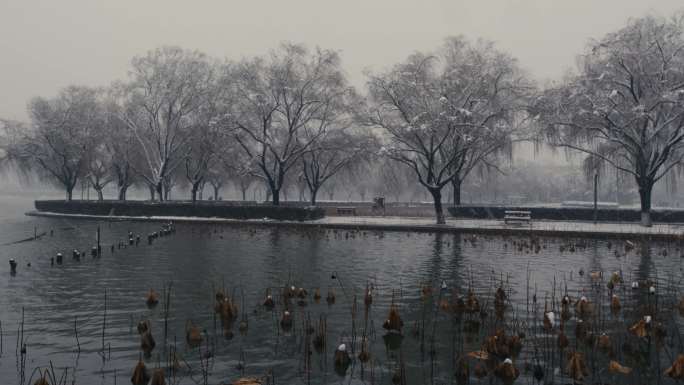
339 148
283 104
60 138
205 144
120 147
625 106
446 112
167 86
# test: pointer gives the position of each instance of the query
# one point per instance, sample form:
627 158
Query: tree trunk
645 188
276 196
152 192
216 192
313 192
122 192
244 194
69 193
193 193
456 184
160 191
100 196
437 198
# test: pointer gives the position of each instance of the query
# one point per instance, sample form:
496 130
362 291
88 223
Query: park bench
517 216
346 211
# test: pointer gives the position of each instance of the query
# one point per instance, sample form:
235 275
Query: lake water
59 302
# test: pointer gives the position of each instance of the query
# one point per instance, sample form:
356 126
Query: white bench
517 216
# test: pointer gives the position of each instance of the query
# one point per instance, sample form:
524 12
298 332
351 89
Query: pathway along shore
473 226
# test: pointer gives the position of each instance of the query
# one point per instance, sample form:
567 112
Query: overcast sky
49 44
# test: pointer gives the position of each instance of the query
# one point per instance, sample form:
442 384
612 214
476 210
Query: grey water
59 302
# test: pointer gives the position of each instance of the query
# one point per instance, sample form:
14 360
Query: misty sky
49 44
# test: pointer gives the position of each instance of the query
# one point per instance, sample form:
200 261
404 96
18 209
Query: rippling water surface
59 302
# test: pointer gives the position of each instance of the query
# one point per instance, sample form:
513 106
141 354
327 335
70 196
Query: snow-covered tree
61 137
446 112
167 86
282 105
335 151
625 106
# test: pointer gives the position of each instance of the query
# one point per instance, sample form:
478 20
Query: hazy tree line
291 118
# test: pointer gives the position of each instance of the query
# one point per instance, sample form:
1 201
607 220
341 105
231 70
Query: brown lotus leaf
506 372
565 313
247 381
341 356
496 344
676 371
604 344
158 377
364 356
680 307
615 304
268 302
147 343
583 308
393 321
639 329
472 305
140 376
152 298
193 335
330 297
444 304
615 367
143 326
220 295
479 355
286 320
576 367
565 301
514 343
425 292
500 294
227 309
42 380
317 294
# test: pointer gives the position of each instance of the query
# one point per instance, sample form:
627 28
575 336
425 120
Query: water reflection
197 260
